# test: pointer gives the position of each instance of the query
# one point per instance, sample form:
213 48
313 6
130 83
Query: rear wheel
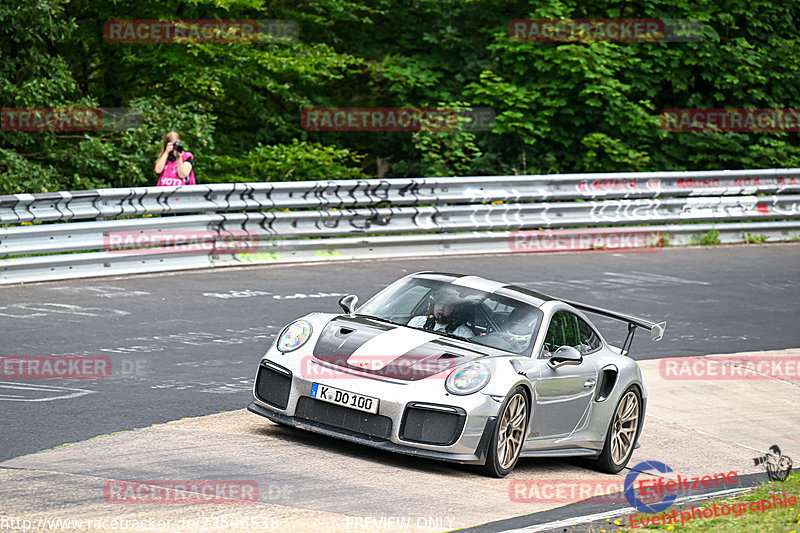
508 435
621 434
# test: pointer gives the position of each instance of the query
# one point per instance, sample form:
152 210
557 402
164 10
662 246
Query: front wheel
508 435
621 434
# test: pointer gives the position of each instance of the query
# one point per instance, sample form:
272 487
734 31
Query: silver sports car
460 368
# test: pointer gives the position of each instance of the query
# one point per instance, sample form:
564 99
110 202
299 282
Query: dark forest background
561 107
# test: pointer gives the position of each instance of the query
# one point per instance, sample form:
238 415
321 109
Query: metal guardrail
225 197
313 221
268 226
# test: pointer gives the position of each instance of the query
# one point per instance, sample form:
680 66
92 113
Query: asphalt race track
187 344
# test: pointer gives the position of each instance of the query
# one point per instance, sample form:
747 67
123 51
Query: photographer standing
175 165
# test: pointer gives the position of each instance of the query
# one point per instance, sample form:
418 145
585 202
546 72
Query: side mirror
566 355
348 304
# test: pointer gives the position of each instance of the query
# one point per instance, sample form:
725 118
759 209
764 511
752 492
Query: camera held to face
177 146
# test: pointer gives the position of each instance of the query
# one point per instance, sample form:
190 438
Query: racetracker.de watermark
69 119
199 31
55 367
565 490
391 366
180 492
610 30
714 367
179 242
585 240
730 120
147 524
397 119
648 490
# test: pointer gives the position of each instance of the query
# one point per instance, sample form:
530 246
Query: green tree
561 107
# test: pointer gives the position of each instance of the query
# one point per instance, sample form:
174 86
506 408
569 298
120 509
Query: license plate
344 398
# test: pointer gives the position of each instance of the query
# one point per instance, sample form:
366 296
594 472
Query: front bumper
410 416
477 458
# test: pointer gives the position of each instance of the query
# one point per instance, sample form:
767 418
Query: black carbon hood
430 354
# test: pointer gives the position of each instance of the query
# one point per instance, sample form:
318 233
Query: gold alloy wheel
512 431
623 430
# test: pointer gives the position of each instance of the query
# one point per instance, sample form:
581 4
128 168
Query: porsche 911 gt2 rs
460 368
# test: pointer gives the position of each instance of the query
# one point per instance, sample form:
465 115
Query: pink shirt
169 177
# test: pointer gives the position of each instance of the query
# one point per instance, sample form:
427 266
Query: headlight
467 379
294 336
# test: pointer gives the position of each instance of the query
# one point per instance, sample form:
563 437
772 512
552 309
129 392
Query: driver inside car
445 317
520 327
517 334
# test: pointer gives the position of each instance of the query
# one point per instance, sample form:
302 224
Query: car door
563 394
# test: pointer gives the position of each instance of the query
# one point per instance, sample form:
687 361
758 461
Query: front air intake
432 424
273 385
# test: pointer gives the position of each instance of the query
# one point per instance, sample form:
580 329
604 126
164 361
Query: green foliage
450 152
227 100
292 162
447 153
709 238
561 107
755 239
662 240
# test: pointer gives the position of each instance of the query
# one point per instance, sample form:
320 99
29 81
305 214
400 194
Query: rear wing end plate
657 331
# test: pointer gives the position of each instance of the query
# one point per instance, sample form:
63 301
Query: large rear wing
656 329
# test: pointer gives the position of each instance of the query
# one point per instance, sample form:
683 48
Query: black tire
512 423
623 430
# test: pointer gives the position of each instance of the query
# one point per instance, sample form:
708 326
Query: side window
589 341
563 331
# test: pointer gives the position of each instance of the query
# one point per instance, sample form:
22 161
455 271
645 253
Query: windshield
477 316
